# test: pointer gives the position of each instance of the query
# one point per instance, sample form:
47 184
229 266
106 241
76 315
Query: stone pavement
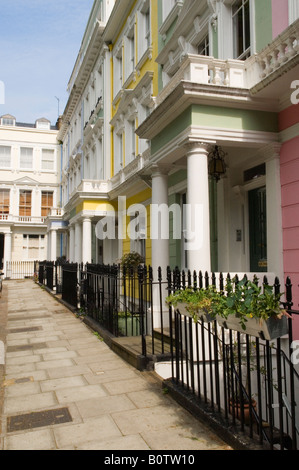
65 389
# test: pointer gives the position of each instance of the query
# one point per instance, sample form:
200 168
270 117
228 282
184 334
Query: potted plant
197 304
131 260
241 402
251 309
128 324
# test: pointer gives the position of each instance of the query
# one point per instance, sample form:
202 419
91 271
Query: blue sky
39 43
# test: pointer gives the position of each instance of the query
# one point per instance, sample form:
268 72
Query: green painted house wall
263 23
219 118
177 126
174 245
230 118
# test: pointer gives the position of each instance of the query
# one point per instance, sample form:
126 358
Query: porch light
217 167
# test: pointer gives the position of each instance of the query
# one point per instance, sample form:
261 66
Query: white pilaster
53 246
7 253
72 244
86 240
47 249
197 210
78 243
160 241
274 218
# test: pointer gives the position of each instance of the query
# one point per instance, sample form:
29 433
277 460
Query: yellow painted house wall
96 206
140 198
150 65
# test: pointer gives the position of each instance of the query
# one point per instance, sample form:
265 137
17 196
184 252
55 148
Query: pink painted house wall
289 157
280 17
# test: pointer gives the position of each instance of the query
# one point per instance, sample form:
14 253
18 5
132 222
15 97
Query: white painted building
86 146
29 188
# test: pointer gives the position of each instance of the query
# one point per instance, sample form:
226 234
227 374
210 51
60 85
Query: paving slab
63 388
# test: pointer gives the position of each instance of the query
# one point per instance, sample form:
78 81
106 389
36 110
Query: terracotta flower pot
237 409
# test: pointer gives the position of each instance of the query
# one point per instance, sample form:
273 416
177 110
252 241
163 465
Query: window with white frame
130 53
48 159
144 29
147 30
99 86
43 124
26 158
25 203
144 112
86 166
33 246
204 46
46 203
167 6
4 201
132 141
118 152
87 109
8 121
5 156
78 175
241 29
93 163
118 71
100 163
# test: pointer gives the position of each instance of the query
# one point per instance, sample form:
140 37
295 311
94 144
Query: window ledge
147 55
173 14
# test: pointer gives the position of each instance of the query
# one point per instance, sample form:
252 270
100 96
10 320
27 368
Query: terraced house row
190 106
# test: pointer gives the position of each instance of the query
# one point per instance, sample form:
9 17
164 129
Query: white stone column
72 244
47 250
159 223
274 217
78 243
7 253
53 246
198 210
160 240
86 240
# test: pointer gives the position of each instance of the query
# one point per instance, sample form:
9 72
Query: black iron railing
247 380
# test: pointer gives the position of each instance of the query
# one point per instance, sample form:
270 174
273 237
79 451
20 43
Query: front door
258 230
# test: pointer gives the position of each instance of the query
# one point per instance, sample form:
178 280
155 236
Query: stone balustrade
244 74
283 49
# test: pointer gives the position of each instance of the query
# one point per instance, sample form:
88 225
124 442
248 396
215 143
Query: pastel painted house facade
29 190
224 86
157 88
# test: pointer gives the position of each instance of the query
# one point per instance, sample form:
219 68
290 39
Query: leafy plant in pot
128 324
197 304
131 260
249 308
241 400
